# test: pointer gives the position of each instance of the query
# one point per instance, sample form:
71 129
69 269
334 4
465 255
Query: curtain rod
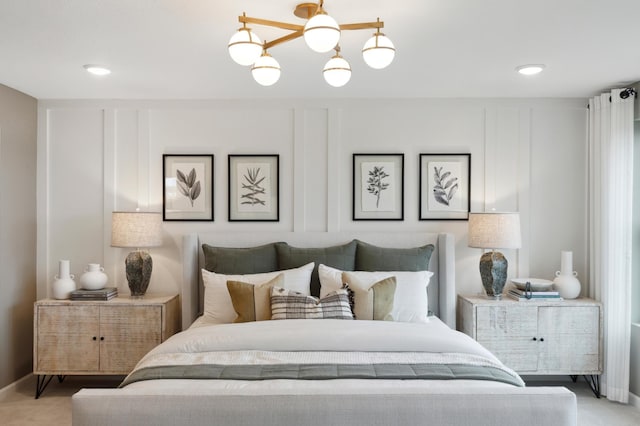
624 94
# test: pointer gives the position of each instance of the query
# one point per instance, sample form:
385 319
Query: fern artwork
445 186
378 190
254 183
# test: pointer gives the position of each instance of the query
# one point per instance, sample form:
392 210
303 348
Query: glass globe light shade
266 70
321 33
245 47
378 52
337 71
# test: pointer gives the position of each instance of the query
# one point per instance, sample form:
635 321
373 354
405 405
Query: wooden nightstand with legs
536 338
98 337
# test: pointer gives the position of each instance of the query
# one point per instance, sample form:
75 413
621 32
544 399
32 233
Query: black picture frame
254 188
187 187
445 186
378 186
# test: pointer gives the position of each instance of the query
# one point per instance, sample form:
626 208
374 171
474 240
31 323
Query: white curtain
610 228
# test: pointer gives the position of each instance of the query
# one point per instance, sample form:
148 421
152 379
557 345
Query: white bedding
312 341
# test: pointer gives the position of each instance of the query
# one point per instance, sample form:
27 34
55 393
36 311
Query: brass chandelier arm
268 23
295 27
298 30
362 25
294 35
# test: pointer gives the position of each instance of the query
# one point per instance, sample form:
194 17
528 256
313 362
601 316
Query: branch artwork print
188 185
378 190
375 182
254 187
445 186
254 192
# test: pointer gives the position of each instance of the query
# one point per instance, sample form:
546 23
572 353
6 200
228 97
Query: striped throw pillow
289 304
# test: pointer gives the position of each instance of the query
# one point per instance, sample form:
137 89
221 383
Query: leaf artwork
188 185
445 186
375 185
253 190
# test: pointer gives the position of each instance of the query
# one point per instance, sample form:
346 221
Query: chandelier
321 33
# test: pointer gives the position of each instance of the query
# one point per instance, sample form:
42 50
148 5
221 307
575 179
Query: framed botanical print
445 182
187 187
254 188
378 186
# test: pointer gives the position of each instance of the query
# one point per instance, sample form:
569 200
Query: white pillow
217 301
410 300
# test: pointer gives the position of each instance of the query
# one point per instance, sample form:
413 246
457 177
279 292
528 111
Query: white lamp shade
378 52
321 33
245 47
136 229
337 71
266 70
494 230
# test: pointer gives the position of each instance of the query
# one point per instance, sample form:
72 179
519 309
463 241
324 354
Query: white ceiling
176 49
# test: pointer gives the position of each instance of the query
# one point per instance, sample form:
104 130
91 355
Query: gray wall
18 124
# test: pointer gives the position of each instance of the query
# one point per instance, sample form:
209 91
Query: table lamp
137 230
494 231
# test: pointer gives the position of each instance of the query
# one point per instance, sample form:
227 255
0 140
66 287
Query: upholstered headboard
441 288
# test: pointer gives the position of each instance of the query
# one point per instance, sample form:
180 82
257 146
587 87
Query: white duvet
317 341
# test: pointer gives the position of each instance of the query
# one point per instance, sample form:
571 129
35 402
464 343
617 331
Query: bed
391 365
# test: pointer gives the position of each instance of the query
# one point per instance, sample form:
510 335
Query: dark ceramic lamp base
138 266
493 271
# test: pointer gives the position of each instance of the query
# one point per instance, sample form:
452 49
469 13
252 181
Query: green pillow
374 258
340 257
240 261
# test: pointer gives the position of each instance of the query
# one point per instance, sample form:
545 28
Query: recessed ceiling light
530 69
97 69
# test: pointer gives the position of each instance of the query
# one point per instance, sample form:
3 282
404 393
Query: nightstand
535 338
98 337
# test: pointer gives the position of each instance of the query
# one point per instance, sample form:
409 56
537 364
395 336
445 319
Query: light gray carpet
19 408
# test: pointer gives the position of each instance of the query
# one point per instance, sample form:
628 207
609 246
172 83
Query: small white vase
566 281
62 287
93 278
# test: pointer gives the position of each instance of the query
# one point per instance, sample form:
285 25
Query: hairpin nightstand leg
594 383
43 381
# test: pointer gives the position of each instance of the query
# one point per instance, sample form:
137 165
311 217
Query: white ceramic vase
64 283
94 277
566 281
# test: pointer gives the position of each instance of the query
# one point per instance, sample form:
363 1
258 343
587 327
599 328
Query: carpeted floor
19 408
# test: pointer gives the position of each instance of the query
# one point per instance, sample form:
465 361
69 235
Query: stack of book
523 295
106 293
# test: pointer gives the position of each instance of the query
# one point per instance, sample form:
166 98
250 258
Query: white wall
98 156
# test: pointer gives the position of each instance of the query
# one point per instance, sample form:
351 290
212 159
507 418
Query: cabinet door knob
101 338
534 339
542 339
94 337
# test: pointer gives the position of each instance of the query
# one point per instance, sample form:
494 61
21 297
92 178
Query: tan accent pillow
383 293
372 301
252 302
